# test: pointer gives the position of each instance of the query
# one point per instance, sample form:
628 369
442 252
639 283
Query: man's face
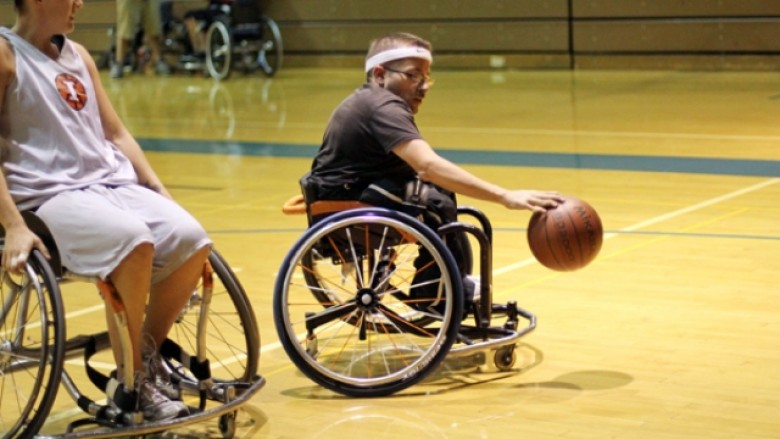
408 78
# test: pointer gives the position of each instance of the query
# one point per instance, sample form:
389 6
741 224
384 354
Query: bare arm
117 132
19 240
440 171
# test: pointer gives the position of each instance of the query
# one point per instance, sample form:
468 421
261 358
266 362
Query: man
372 149
67 156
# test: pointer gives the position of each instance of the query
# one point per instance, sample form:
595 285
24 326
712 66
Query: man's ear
378 74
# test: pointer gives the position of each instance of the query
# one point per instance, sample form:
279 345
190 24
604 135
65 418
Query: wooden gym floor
671 333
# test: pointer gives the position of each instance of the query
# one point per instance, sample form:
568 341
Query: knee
190 234
141 253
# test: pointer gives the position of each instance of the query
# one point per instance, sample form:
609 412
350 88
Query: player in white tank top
66 153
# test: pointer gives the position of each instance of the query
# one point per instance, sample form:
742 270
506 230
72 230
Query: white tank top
50 119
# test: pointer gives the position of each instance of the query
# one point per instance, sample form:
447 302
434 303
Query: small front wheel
505 358
227 425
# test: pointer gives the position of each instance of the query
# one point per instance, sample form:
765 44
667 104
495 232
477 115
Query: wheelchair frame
346 313
229 45
33 347
250 46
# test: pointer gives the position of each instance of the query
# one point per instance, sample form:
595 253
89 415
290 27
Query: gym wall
547 34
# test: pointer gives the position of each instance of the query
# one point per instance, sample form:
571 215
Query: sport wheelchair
211 354
345 306
237 35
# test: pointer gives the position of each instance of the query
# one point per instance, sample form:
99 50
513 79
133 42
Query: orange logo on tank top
72 90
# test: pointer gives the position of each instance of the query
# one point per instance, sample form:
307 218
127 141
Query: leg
131 278
124 29
196 34
169 296
140 229
152 24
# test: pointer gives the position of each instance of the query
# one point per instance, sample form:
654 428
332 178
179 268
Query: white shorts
95 228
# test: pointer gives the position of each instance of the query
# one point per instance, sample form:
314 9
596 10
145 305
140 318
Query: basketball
567 237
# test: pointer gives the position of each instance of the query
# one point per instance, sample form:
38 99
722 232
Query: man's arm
442 172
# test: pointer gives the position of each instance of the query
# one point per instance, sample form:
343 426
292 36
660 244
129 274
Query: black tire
269 58
32 343
348 320
232 339
219 49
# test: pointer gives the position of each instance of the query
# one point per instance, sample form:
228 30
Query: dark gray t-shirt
357 146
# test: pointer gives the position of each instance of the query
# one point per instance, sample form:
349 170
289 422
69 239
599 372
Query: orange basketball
567 237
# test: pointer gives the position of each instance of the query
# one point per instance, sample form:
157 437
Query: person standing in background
128 13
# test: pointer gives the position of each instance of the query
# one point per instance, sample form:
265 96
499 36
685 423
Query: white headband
399 53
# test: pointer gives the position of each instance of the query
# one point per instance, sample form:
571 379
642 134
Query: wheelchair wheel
346 308
219 49
32 343
269 59
231 336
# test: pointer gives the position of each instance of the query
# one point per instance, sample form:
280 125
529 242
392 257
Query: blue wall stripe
691 165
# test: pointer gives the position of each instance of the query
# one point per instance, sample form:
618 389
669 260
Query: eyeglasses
416 77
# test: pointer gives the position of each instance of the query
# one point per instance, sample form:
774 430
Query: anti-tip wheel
227 425
505 358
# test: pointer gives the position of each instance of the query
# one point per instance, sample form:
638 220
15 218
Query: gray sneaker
159 376
162 68
154 405
157 372
117 71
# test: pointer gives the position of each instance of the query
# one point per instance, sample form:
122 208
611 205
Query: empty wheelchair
370 301
211 354
239 36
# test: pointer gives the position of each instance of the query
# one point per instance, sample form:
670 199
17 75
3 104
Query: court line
583 133
518 131
655 239
536 159
657 219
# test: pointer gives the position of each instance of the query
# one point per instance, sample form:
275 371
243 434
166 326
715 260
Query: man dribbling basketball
372 148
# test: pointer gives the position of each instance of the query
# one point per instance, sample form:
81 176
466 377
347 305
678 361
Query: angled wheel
32 342
368 302
269 58
219 48
221 326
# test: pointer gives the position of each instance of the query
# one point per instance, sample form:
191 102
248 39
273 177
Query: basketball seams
567 237
557 232
583 249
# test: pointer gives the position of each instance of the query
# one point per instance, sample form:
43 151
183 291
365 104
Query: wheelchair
347 307
238 36
211 353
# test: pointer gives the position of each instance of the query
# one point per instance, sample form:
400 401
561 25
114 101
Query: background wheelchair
346 310
242 37
212 352
238 36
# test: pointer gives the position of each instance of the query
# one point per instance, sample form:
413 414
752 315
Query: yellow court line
628 249
657 219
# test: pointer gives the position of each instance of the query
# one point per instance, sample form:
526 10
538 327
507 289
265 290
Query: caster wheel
505 358
227 425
